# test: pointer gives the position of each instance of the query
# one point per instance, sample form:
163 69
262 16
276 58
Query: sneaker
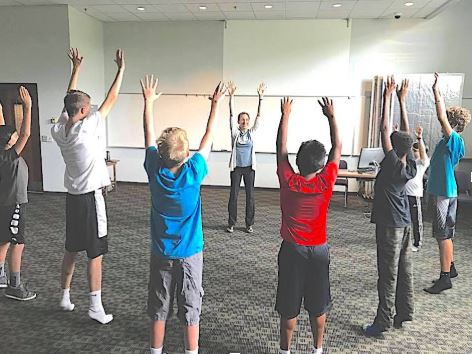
315 351
372 330
3 281
249 230
452 273
398 322
415 248
443 283
230 229
20 293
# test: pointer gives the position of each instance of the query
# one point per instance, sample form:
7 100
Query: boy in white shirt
414 189
78 135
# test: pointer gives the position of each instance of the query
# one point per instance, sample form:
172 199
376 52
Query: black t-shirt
13 178
391 208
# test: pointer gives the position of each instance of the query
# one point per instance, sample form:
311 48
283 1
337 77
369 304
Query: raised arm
260 93
336 144
385 121
2 118
207 140
421 146
26 124
282 133
112 94
233 123
402 93
76 60
441 108
149 86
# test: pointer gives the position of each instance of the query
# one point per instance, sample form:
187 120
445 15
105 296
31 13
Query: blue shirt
176 217
244 149
446 156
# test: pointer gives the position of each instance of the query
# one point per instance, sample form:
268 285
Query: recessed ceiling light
202 7
337 5
409 3
268 6
140 8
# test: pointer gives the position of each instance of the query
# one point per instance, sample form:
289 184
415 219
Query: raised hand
286 106
231 88
261 89
402 91
25 96
149 87
219 93
120 59
419 132
327 107
390 86
436 83
75 57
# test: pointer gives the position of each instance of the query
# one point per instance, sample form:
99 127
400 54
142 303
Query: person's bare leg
191 334
158 331
3 257
96 310
287 326
68 266
446 250
317 328
3 251
16 253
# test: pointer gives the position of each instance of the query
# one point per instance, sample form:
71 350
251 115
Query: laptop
369 159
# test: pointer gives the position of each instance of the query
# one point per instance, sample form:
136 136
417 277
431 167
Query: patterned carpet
239 281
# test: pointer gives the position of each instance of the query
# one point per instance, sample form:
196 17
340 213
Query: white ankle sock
284 351
156 351
191 351
96 310
66 305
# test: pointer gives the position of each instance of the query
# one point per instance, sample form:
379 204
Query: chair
464 187
343 180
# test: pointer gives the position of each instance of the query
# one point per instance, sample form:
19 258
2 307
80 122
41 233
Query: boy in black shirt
391 215
13 197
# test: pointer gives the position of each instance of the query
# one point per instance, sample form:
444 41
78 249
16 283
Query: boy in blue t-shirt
176 221
442 185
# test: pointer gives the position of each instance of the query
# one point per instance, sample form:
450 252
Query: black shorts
12 224
303 274
85 223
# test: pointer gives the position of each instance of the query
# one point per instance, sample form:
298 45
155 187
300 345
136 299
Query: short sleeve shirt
446 156
304 204
391 208
176 217
13 178
83 153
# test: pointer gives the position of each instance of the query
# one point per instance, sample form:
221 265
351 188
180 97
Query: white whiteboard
125 123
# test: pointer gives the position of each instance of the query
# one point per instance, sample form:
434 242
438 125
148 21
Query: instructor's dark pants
395 283
248 174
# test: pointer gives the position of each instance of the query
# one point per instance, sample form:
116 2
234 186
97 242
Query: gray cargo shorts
176 277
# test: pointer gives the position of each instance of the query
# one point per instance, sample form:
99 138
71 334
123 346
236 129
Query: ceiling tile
276 7
272 15
109 9
171 7
234 15
235 7
347 5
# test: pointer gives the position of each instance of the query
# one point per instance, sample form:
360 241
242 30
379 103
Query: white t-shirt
83 153
414 187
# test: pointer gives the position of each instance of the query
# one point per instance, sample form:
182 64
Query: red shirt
304 204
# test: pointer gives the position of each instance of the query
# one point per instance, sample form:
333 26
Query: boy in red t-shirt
304 255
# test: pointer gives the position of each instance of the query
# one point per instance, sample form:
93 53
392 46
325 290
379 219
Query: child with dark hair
304 254
442 185
391 215
13 198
